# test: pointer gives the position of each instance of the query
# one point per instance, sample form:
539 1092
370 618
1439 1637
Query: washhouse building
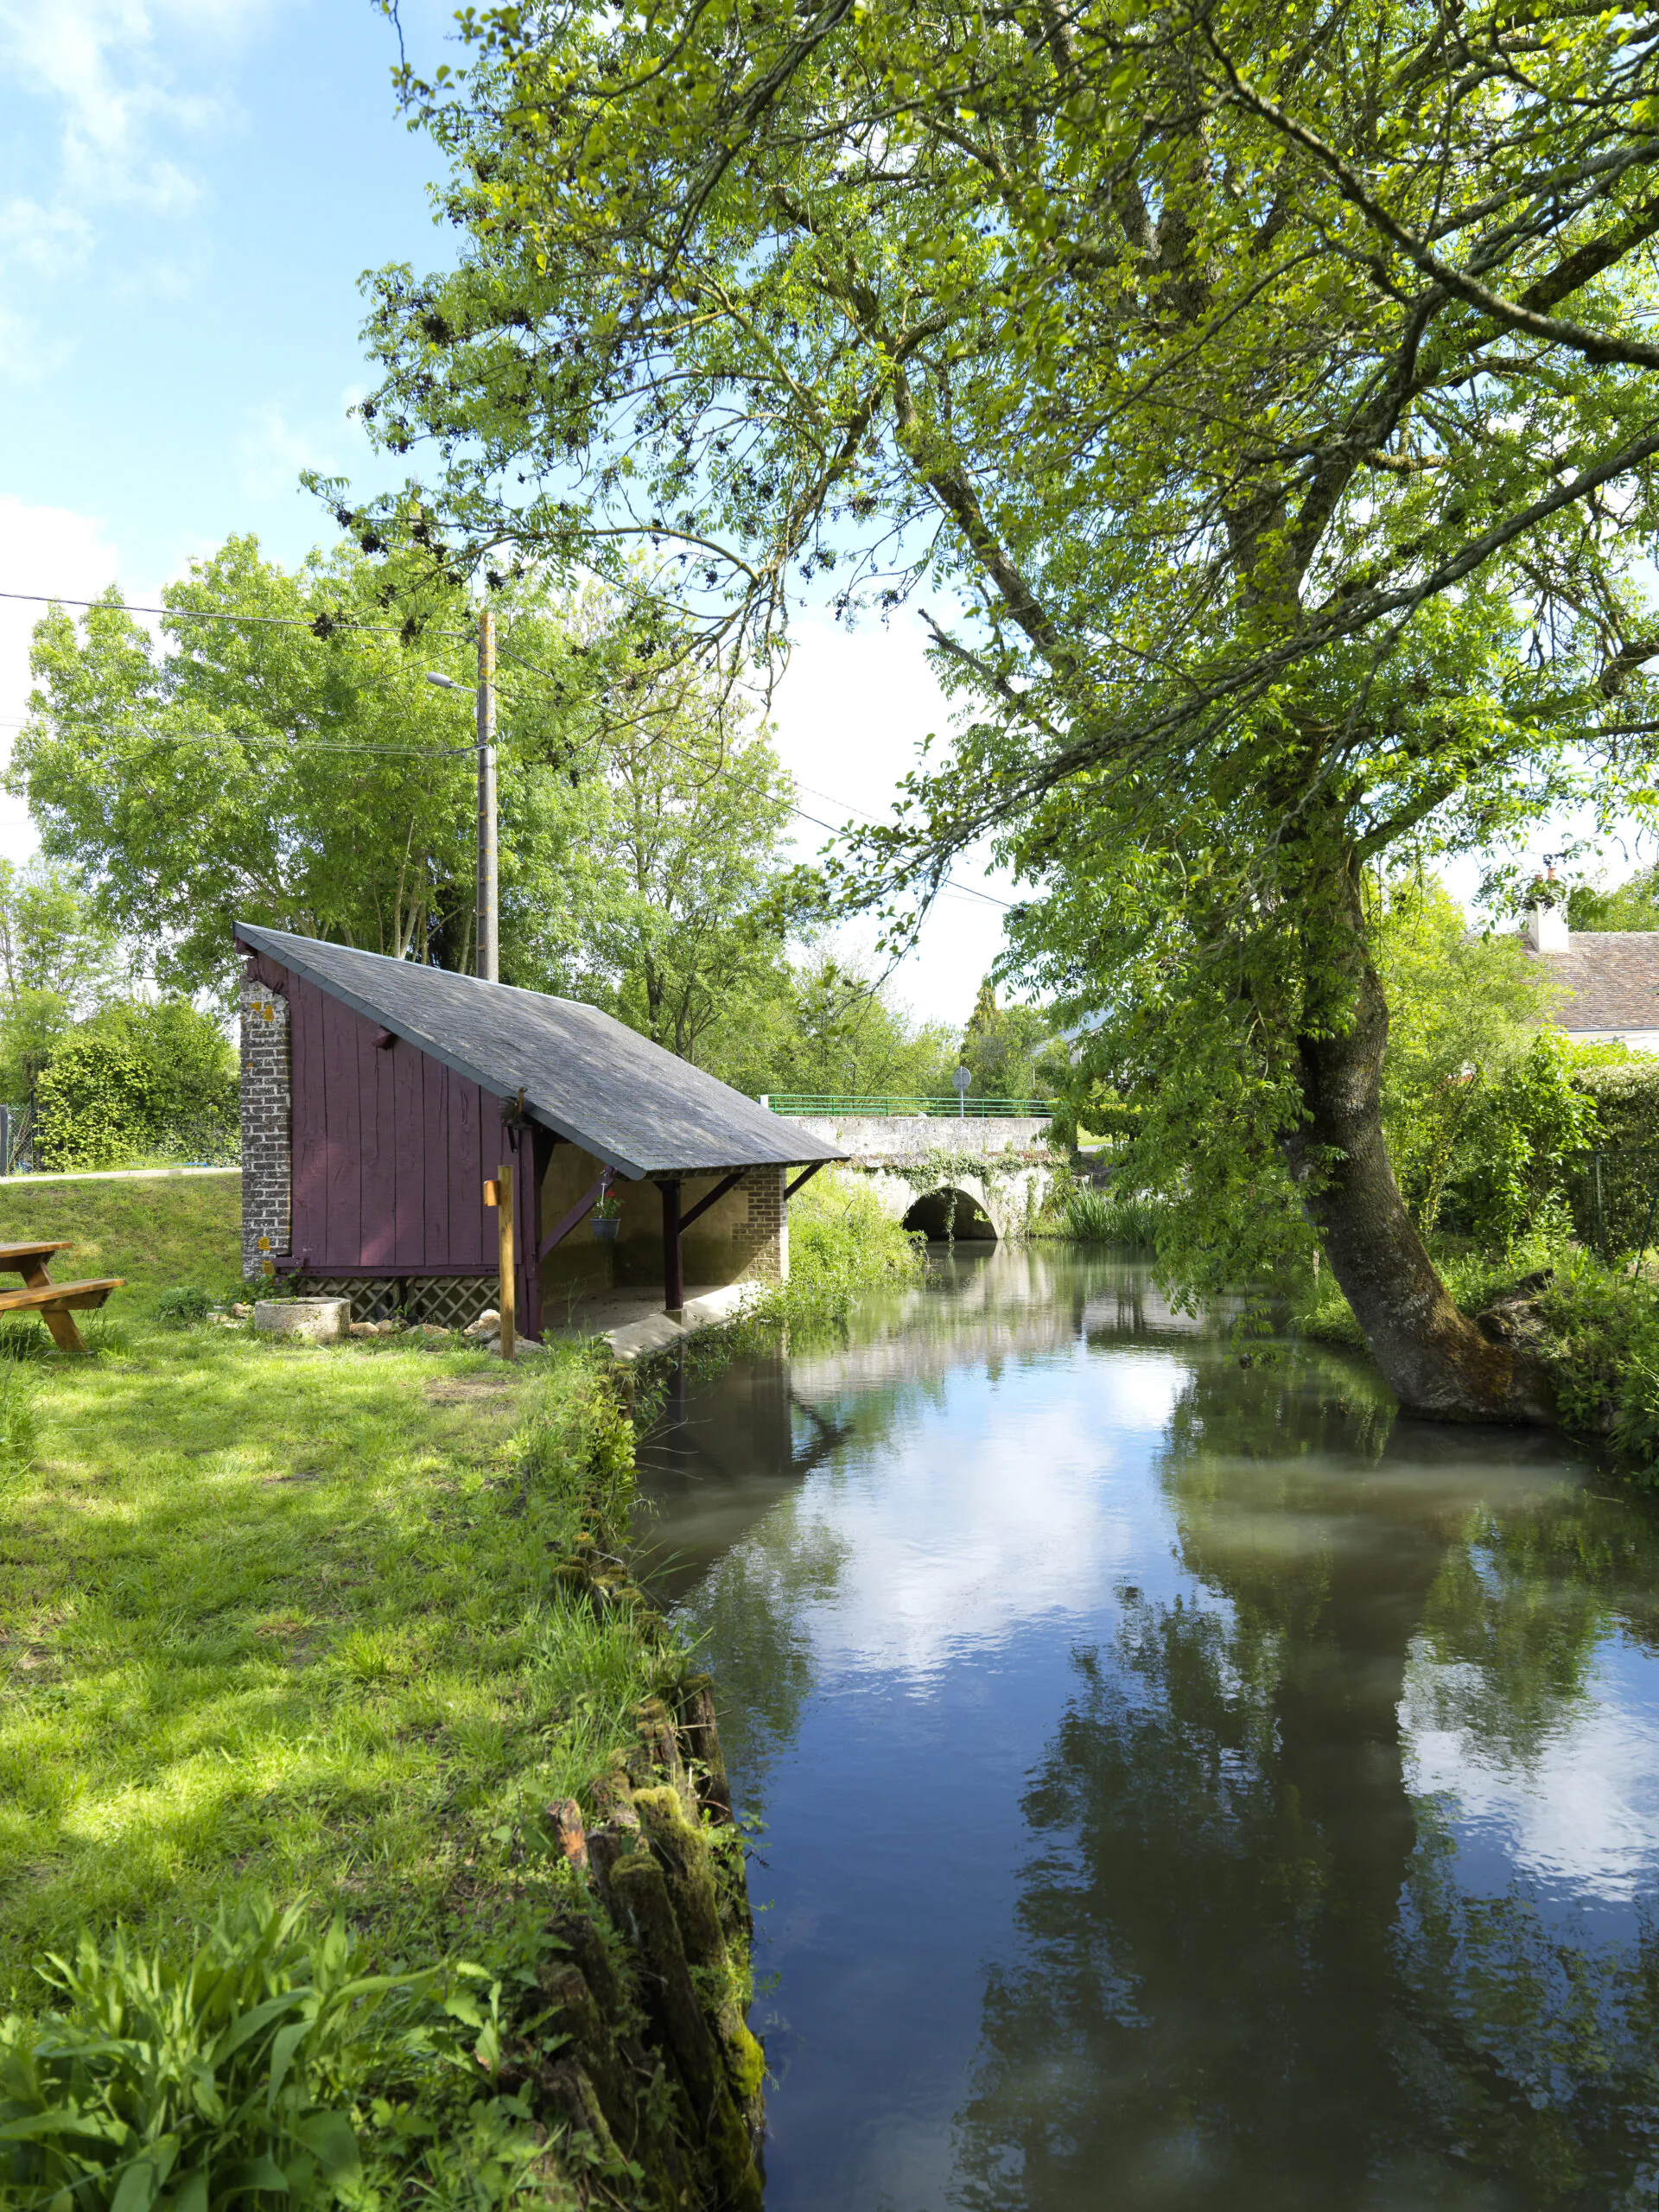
380 1099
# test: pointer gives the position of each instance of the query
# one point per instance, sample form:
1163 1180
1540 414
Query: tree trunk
1437 1362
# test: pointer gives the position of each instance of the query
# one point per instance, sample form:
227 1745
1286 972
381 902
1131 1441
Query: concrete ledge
633 1324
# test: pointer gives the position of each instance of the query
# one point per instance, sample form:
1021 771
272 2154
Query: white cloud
25 353
944 1553
42 550
272 452
50 240
119 89
1582 1811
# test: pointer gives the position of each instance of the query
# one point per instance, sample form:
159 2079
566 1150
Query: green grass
155 1234
281 1618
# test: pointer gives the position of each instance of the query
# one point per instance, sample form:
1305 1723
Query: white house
1611 977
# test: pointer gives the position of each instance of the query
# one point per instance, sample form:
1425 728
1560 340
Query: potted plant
607 1217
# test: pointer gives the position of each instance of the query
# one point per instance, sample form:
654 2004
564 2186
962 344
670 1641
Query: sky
189 193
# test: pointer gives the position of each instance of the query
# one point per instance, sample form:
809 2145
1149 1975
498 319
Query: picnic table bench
56 1302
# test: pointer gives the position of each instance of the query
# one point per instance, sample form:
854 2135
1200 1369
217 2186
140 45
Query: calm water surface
1180 1784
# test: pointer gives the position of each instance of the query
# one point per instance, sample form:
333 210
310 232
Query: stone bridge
968 1180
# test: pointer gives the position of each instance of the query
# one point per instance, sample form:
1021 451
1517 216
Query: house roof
589 1078
1611 979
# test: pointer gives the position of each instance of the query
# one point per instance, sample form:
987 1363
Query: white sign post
962 1078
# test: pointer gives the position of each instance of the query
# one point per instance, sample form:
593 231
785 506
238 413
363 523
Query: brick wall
760 1244
267 1116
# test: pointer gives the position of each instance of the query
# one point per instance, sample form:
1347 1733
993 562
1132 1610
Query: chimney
1545 927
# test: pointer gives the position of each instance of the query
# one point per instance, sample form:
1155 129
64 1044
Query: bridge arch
953 1214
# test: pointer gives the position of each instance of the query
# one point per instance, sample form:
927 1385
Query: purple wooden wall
390 1149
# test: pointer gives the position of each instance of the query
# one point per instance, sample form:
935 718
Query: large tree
290 765
696 807
1261 397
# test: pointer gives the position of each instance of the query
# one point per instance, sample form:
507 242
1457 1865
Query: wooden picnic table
56 1302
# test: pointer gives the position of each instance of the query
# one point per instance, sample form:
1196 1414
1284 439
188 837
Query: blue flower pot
605 1229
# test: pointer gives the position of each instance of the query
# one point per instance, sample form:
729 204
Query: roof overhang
279 945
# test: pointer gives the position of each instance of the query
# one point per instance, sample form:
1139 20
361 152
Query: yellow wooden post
503 1216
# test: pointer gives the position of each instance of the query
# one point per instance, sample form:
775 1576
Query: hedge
1610 1190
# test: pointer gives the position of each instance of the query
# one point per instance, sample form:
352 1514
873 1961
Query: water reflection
1185 1785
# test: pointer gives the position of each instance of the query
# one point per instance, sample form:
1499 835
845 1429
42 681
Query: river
1178 1784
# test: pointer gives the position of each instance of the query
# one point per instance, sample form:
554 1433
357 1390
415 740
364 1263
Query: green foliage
205 780
58 963
1521 1130
1154 346
1625 1090
821 1024
173 2084
1633 905
140 1078
1093 1217
97 1103
185 1303
842 1242
1463 1009
1004 1047
691 932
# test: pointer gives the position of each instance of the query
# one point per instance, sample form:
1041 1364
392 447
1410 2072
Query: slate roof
1611 978
590 1078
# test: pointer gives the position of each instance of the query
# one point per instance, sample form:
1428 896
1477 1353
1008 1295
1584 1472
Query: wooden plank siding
390 1149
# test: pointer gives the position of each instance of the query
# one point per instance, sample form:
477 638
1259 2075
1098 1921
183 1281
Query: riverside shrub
842 1242
142 1079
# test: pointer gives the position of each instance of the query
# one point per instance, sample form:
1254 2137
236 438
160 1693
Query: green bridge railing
966 1109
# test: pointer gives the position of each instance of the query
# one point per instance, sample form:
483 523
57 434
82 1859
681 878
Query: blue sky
189 192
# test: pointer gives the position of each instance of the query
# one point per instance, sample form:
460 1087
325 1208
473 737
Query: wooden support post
503 1219
535 1158
673 1253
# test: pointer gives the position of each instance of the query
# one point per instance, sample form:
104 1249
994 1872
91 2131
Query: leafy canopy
1258 398
297 771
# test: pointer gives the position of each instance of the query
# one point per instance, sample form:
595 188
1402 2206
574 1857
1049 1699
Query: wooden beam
673 1256
719 1192
504 1220
574 1219
806 1176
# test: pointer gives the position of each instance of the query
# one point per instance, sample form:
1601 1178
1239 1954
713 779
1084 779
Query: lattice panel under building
447 1301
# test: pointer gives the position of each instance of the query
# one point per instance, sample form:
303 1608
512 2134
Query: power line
318 744
269 621
966 890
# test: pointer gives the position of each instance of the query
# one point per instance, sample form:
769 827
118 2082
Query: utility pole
488 909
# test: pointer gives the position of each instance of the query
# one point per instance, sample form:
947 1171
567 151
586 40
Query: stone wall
267 1126
908 1136
744 1235
760 1244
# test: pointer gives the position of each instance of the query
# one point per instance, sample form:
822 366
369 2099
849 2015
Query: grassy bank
281 1624
279 1619
842 1242
155 1234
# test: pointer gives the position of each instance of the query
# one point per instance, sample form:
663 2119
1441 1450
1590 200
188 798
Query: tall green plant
167 2084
